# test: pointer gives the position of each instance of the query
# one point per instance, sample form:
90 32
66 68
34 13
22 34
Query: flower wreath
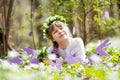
48 22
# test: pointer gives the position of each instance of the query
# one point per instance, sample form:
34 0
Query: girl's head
57 32
55 29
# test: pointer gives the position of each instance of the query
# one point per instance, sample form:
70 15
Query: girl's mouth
61 35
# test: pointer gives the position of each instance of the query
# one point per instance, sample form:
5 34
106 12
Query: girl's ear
53 40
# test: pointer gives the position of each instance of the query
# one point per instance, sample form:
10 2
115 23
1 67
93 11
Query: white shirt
74 43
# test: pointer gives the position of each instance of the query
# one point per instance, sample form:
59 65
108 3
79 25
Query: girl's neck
63 44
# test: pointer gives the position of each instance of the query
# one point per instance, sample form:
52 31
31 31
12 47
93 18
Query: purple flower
70 59
90 60
74 30
100 51
15 60
100 48
32 14
106 14
57 63
31 33
53 2
54 51
34 61
28 50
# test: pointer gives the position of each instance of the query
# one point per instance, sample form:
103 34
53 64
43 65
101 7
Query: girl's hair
50 29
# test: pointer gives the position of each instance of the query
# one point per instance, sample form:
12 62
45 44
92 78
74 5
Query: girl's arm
80 49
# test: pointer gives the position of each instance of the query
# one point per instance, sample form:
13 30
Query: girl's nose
59 31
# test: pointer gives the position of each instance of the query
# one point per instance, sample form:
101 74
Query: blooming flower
54 51
52 56
70 59
95 58
6 65
13 53
106 14
100 48
74 30
57 63
15 60
31 33
28 50
34 61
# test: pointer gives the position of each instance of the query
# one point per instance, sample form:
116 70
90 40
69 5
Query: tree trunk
83 27
1 43
5 27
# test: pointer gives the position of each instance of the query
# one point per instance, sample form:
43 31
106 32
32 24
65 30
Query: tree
6 11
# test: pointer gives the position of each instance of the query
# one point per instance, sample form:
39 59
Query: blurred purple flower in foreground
100 48
96 56
89 59
54 51
28 50
15 60
57 63
34 61
70 59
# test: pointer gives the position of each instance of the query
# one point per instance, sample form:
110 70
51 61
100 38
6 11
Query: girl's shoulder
77 39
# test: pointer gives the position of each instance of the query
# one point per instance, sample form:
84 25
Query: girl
56 30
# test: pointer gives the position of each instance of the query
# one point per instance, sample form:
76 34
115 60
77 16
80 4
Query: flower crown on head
48 22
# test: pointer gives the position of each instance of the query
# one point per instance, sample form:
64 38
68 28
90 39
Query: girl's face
59 32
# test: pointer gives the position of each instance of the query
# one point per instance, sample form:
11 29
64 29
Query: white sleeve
80 49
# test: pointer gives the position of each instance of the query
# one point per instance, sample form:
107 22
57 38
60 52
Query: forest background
92 20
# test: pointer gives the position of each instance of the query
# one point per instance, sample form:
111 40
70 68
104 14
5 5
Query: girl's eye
61 27
55 31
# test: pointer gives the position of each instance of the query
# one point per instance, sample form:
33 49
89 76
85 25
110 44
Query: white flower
33 65
30 66
41 65
7 65
52 56
112 76
86 60
45 25
96 58
27 67
69 66
79 70
36 52
106 14
13 53
110 64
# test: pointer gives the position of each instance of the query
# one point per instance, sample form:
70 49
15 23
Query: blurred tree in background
20 20
6 8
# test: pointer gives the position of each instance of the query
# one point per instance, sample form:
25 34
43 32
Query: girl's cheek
55 35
